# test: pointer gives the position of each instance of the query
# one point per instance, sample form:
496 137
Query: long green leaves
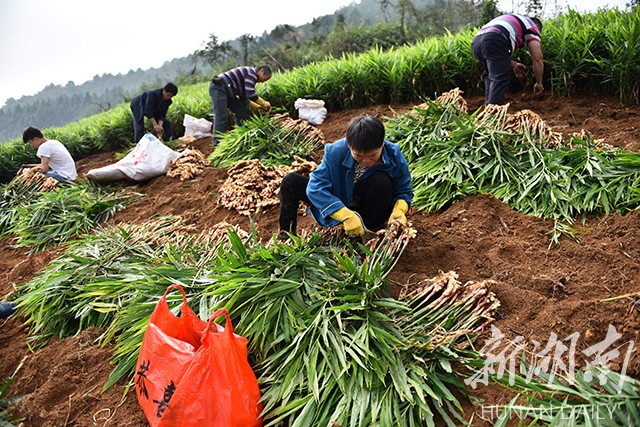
456 155
6 420
330 347
14 195
326 342
89 284
268 139
583 402
56 216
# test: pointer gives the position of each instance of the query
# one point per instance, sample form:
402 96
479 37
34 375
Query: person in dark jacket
236 90
362 182
493 46
7 308
154 105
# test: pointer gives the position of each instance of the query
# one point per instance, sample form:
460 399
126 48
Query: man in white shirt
55 160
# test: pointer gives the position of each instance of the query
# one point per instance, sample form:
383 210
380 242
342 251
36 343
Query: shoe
6 309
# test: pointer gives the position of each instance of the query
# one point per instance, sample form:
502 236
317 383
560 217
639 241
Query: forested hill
57 105
353 28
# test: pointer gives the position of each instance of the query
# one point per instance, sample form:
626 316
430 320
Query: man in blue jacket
362 182
153 104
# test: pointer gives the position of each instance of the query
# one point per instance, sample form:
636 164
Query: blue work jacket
331 184
150 104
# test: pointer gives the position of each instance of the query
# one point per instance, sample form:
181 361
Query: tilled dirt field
543 290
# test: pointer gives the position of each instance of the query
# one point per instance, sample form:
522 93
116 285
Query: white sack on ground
149 158
311 110
199 128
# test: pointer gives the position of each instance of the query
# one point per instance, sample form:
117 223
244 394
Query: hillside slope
542 289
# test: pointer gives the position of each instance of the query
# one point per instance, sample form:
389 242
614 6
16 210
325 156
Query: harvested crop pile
273 140
453 98
32 176
188 166
301 126
474 298
251 186
525 121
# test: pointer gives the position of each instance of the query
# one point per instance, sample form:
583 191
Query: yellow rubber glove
350 220
398 213
264 104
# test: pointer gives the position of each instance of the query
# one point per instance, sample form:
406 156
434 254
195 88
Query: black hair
265 69
31 132
365 133
171 88
538 23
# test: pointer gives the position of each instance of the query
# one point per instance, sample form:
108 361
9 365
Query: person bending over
154 105
235 90
495 43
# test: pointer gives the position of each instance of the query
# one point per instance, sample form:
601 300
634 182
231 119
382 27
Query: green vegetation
309 310
598 51
273 141
596 396
454 154
580 51
6 420
42 219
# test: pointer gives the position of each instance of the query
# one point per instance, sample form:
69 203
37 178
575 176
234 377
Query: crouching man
362 182
55 160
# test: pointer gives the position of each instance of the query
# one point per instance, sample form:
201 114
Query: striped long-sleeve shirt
243 82
520 29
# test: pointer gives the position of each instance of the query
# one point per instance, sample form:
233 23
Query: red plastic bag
195 373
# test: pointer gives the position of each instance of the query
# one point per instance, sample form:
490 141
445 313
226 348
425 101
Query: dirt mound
543 289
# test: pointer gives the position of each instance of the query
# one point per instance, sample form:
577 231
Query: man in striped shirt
493 46
236 90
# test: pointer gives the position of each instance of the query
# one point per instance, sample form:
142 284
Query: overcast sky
56 41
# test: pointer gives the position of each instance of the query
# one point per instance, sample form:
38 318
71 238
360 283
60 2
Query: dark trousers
222 100
139 131
493 50
374 206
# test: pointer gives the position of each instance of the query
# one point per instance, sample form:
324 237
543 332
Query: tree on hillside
489 11
340 30
384 8
407 11
316 34
214 51
534 7
284 34
247 41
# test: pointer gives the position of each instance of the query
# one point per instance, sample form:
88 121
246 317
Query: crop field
579 285
523 250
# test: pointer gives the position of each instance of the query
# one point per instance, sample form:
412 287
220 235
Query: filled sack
149 158
311 110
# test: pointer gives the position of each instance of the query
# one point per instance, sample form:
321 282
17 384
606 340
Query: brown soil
543 290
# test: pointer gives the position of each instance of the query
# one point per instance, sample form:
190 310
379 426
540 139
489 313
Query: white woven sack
311 110
199 128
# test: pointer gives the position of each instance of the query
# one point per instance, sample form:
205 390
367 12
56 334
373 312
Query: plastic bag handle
228 326
176 286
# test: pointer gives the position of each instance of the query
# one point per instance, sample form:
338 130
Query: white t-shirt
60 160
